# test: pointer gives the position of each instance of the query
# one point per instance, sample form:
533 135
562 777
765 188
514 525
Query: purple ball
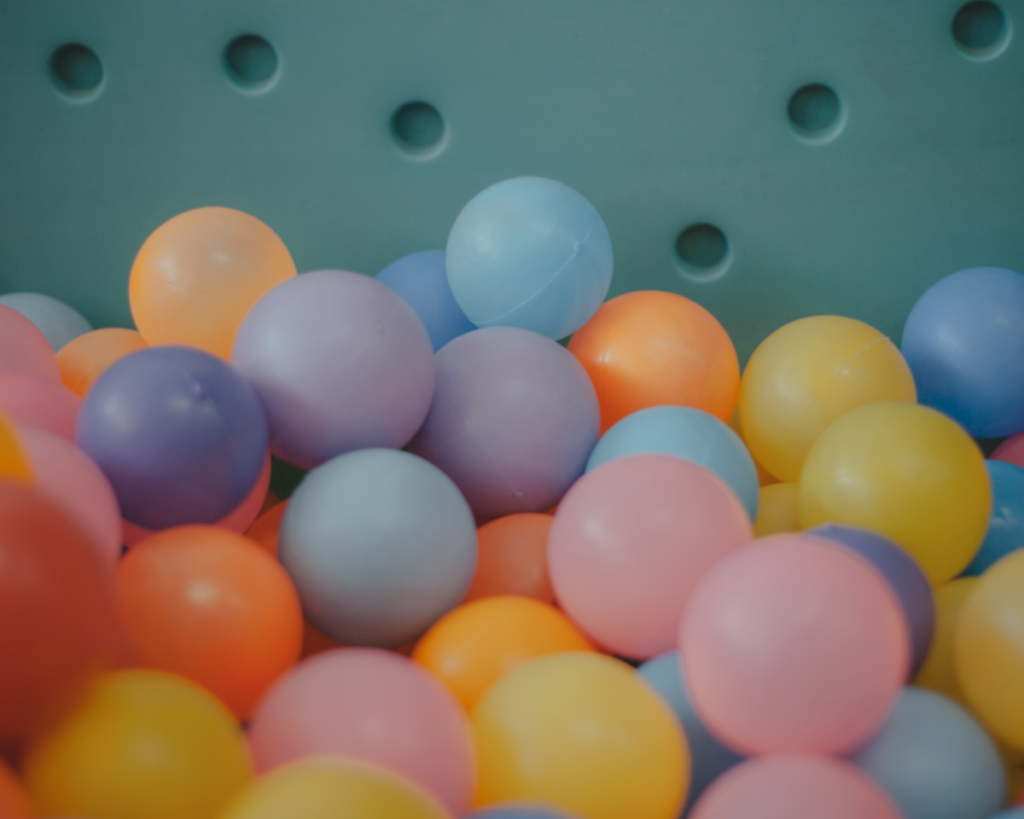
513 421
181 436
341 363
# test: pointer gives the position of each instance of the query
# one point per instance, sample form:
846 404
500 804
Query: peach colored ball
84 359
375 706
629 542
40 403
793 645
513 558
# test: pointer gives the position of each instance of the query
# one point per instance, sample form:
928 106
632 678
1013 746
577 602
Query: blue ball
687 433
935 760
964 342
520 811
379 543
422 280
530 253
708 757
1006 526
180 435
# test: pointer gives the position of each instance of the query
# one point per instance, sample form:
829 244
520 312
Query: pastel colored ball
1011 450
24 348
964 341
935 760
833 618
513 421
513 558
687 433
630 542
777 509
904 471
372 705
380 544
59 322
180 435
422 280
340 361
530 253
40 403
939 670
84 359
1005 531
808 374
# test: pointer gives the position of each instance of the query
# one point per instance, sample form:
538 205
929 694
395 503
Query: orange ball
209 604
85 358
266 529
513 558
199 274
14 801
474 645
649 348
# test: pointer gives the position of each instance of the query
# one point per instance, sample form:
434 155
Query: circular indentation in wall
251 62
76 71
981 30
418 129
703 252
816 113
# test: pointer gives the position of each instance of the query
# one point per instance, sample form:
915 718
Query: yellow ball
777 510
14 464
582 732
989 649
198 275
143 743
806 375
939 669
328 788
907 472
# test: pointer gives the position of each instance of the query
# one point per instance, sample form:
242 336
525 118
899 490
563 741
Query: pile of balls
616 579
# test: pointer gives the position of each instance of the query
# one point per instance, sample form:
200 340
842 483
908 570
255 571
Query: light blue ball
935 760
379 543
1006 525
1012 813
530 253
422 280
708 757
57 321
520 810
687 433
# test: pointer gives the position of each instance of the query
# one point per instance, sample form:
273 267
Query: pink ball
794 787
373 705
1011 450
794 645
40 403
630 541
24 348
68 477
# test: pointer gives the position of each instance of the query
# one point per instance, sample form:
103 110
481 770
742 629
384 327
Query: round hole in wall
418 129
703 252
816 113
76 71
250 62
981 30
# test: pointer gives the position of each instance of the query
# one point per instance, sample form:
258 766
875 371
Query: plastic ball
934 760
57 321
209 604
371 705
828 613
964 340
193 757
179 433
709 758
906 472
341 363
1005 531
14 461
422 280
513 421
632 539
198 275
778 510
687 433
87 357
939 670
905 577
808 374
39 403
57 616
795 786
988 654
328 788
24 348
520 811
474 645
266 529
380 544
71 480
513 558
529 253
14 799
649 348
1011 450
582 732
